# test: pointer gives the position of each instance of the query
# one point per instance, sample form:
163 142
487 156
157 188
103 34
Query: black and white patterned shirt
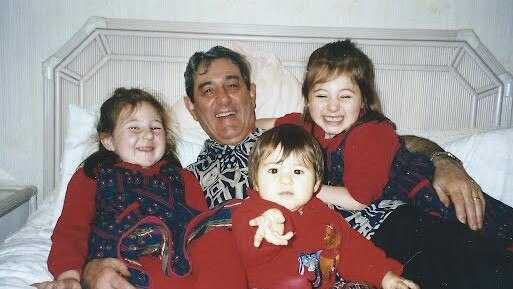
223 169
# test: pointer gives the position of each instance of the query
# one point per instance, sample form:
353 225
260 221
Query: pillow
79 143
488 158
278 93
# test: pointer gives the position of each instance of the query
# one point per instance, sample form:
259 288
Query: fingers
259 236
106 273
442 195
58 284
460 205
479 205
120 267
410 284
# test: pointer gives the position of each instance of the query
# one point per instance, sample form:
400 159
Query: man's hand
392 281
58 284
453 184
108 273
270 227
67 280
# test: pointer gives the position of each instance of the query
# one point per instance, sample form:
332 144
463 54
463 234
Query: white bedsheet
23 255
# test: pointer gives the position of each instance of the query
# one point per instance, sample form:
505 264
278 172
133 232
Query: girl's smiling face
335 105
139 136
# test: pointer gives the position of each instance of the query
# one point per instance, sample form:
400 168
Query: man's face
223 104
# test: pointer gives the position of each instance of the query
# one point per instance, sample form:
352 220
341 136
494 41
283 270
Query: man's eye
233 86
133 128
207 91
298 172
273 170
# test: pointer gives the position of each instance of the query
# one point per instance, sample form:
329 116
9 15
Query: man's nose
223 95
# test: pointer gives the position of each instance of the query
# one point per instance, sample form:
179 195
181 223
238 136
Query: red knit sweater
270 266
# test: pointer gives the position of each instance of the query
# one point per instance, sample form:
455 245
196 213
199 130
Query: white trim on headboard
67 72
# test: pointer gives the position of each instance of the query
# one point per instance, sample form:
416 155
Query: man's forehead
217 69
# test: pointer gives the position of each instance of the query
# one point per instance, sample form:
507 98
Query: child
370 176
130 200
286 168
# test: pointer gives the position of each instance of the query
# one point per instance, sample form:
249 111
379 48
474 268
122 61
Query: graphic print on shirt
321 266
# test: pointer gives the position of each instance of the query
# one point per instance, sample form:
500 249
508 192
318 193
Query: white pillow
80 142
488 158
277 92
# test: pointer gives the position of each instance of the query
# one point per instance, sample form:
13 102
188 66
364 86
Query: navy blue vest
141 215
409 179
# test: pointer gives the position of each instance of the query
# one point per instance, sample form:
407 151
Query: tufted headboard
432 82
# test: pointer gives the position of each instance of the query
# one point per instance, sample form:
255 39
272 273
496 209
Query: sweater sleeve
293 118
194 196
71 234
362 260
244 234
368 154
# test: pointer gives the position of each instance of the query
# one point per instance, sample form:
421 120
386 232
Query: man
222 99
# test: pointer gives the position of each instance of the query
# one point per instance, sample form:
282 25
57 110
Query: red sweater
270 265
71 234
368 154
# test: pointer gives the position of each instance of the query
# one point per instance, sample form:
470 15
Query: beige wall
33 30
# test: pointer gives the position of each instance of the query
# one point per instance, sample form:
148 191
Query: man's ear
190 107
252 93
106 140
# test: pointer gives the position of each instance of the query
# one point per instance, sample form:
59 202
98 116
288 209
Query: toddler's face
138 137
290 183
335 105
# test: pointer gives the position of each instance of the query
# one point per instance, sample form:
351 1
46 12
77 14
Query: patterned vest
409 182
140 215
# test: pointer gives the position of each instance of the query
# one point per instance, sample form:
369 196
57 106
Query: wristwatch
449 155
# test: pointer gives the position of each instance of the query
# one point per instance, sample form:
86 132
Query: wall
32 30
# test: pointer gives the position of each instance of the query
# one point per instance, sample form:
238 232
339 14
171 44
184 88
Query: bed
441 84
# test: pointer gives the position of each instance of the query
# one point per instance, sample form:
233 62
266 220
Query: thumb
120 267
442 195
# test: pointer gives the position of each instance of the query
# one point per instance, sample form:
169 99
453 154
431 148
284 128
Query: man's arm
451 182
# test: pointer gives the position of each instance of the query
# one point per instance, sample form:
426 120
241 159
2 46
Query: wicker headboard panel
443 80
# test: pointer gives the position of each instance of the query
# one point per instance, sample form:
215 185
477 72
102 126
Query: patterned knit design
223 169
410 180
134 214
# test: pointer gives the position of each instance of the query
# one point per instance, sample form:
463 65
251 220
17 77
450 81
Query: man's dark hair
203 60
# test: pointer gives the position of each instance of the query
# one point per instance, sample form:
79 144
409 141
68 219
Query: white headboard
429 80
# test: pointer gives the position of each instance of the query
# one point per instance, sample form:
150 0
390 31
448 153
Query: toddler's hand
392 281
270 227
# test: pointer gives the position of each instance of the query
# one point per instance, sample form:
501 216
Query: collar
217 150
329 144
149 171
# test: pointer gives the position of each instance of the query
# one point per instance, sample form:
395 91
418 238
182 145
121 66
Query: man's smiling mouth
224 114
